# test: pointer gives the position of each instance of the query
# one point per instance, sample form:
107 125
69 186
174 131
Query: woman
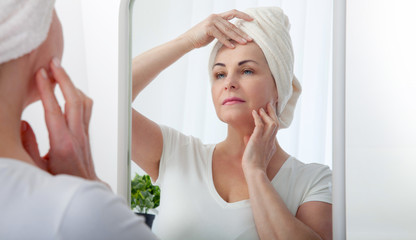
38 197
247 186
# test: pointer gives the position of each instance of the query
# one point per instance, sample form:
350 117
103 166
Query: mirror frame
124 100
338 119
338 115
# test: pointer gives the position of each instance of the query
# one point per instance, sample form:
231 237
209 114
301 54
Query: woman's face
242 83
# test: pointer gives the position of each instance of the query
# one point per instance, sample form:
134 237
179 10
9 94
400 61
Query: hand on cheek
69 151
261 146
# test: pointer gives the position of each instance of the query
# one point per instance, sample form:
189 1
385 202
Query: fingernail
23 126
43 73
232 45
261 109
243 40
249 38
56 62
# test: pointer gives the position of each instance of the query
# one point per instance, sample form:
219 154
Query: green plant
144 195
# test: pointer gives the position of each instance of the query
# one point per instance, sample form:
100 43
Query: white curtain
180 97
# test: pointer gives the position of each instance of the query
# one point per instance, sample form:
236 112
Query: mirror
170 99
180 96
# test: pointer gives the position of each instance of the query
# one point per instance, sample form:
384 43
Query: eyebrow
218 64
239 64
246 61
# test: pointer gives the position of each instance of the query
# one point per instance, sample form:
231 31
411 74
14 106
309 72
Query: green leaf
144 195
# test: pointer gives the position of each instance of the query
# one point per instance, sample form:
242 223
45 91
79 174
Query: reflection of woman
246 186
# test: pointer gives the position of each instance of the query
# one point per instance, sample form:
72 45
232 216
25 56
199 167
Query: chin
236 117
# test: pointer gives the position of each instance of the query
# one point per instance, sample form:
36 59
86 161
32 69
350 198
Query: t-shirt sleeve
94 212
172 140
321 186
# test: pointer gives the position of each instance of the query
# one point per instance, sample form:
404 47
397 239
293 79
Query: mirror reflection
236 130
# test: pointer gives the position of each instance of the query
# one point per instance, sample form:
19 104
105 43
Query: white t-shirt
191 208
36 205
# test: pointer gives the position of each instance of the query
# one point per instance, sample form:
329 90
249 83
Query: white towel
24 25
270 30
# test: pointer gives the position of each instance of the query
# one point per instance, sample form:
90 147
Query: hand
69 151
31 146
218 26
261 145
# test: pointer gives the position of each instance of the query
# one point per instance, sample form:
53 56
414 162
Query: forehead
249 51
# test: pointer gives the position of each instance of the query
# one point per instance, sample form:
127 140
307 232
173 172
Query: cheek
57 48
215 93
58 36
263 94
271 90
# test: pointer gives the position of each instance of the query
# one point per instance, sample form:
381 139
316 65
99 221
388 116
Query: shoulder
62 205
22 175
306 171
172 135
94 211
305 182
175 141
89 197
182 155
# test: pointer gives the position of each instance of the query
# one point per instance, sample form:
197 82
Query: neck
15 80
234 144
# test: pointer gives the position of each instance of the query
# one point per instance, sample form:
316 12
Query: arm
147 140
313 219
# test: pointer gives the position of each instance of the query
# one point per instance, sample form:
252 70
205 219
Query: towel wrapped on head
24 25
270 31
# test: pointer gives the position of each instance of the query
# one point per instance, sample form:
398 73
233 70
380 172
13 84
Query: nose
231 82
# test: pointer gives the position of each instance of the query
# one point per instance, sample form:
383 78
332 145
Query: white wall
91 59
381 119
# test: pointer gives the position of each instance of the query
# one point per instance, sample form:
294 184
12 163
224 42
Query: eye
219 75
247 72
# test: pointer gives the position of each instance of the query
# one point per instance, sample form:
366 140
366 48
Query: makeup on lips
232 100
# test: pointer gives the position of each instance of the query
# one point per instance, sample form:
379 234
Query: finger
272 150
55 120
241 15
30 145
221 37
63 79
88 103
272 111
270 124
231 31
259 125
236 14
73 102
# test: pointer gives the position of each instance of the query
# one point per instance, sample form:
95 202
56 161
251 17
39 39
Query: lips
232 100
